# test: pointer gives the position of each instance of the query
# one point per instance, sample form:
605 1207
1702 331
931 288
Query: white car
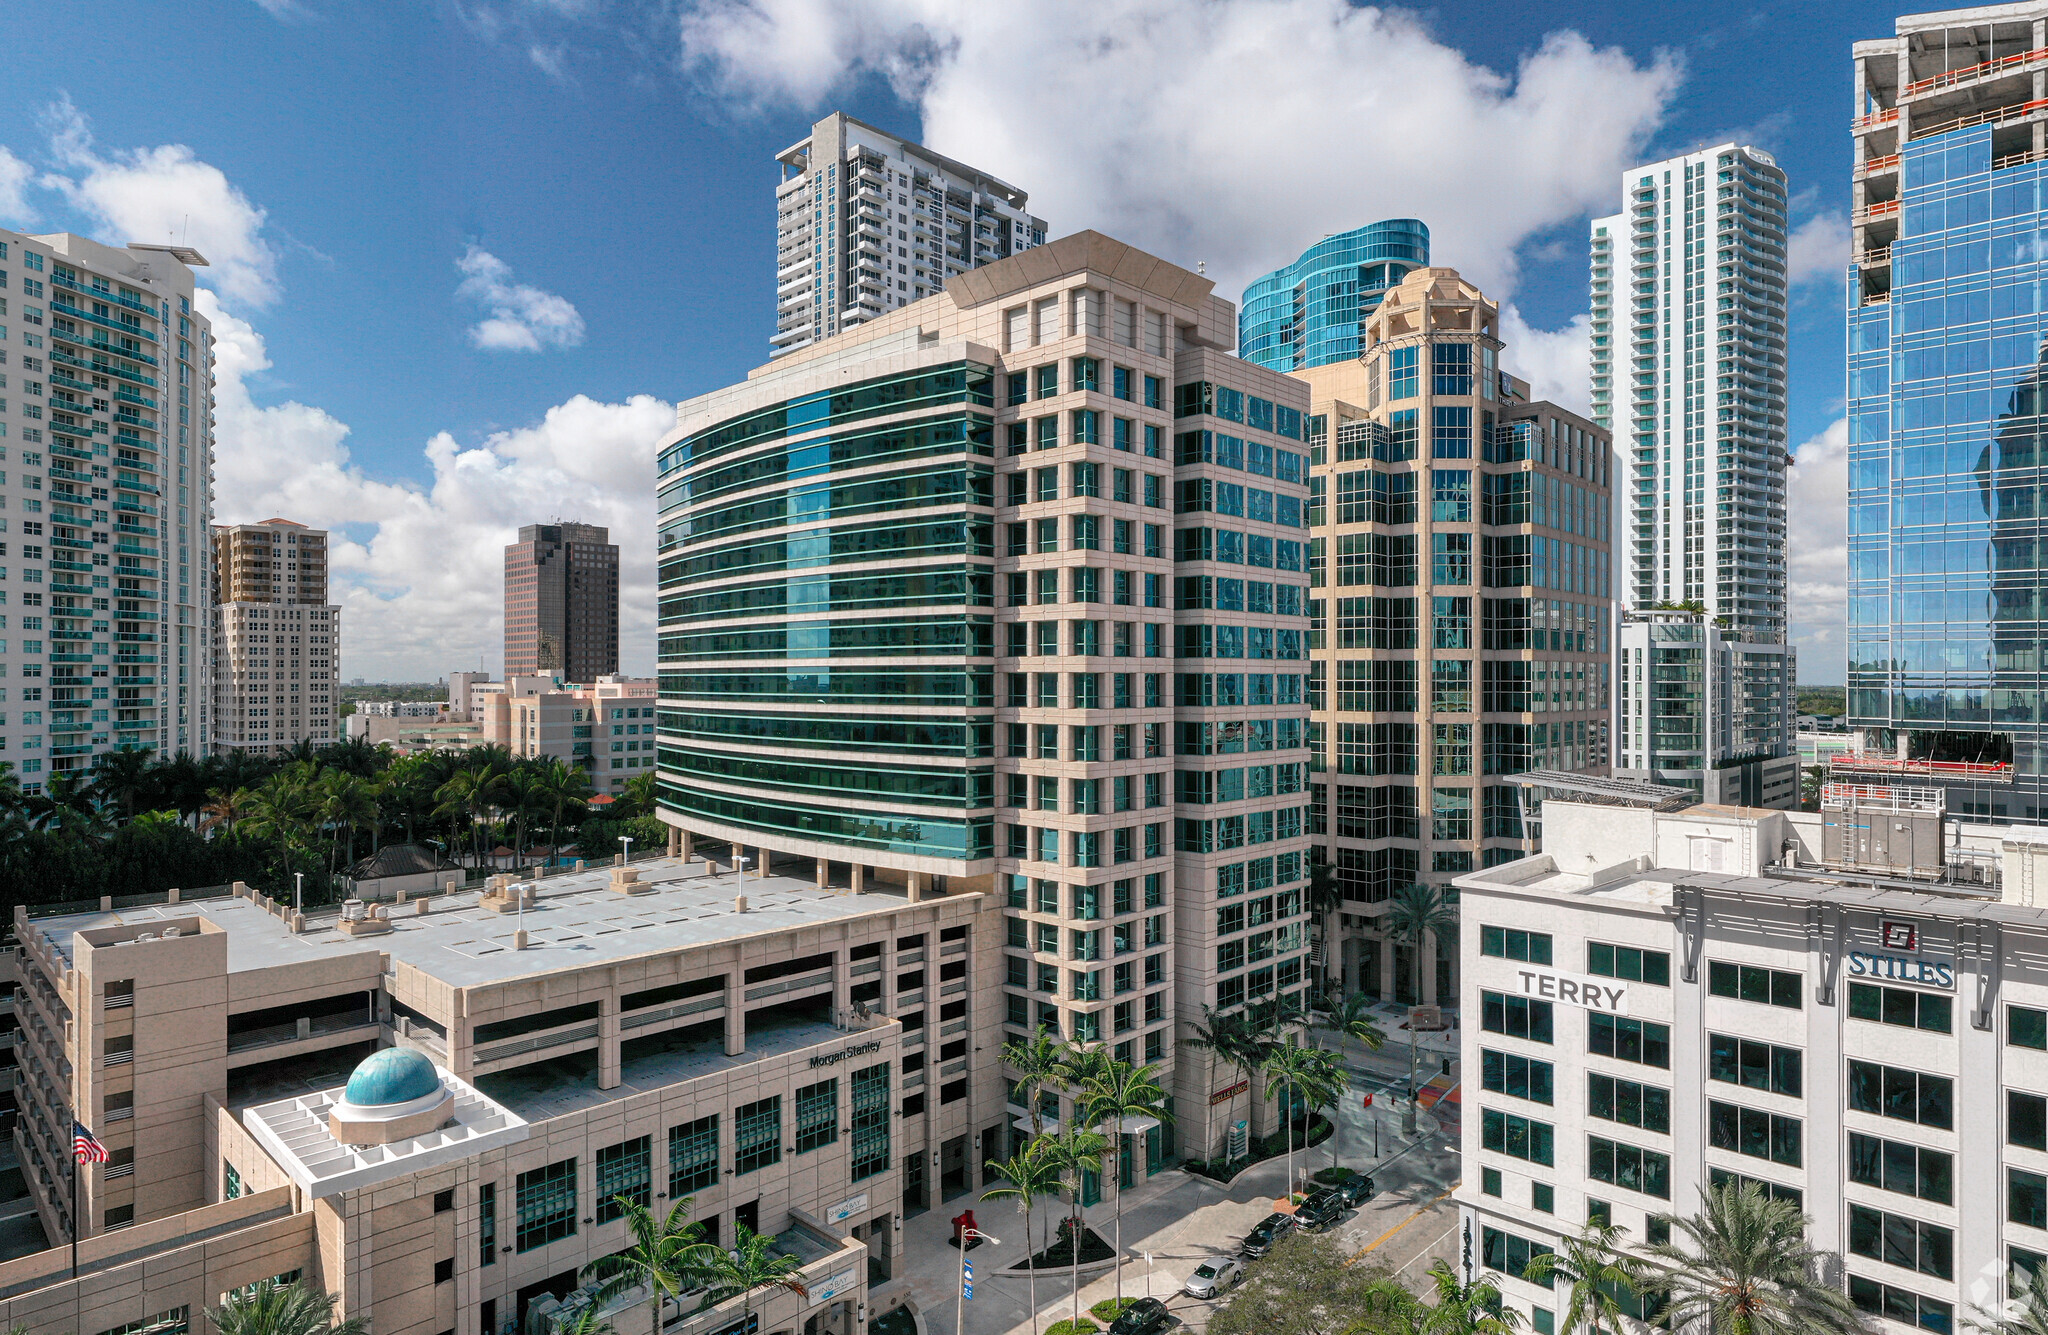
1213 1276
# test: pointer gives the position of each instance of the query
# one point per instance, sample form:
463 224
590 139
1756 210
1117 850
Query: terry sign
1595 994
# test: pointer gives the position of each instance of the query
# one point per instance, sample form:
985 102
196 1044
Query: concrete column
608 1038
736 1010
1348 963
842 986
1425 966
688 845
1387 964
860 879
675 840
824 872
914 883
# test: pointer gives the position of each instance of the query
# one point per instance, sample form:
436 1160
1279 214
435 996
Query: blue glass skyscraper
1313 312
1945 401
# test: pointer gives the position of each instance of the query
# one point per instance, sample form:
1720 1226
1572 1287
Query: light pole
968 1236
625 849
739 867
298 892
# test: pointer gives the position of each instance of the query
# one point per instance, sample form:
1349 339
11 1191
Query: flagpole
74 1216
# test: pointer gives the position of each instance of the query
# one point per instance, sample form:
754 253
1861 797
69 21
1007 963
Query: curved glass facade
760 583
1313 312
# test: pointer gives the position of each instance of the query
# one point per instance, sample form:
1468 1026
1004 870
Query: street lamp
968 1237
298 891
625 848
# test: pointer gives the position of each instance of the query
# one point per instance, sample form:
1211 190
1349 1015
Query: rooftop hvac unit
1877 828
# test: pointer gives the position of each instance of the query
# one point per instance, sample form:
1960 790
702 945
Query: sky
468 254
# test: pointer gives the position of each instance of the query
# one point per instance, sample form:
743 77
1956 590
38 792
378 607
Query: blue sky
607 168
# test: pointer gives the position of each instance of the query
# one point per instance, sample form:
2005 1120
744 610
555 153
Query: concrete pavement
1180 1219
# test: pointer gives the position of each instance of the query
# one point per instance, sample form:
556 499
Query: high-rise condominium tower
109 419
1313 311
1688 297
1688 289
562 603
1948 378
1462 612
1026 565
866 222
276 637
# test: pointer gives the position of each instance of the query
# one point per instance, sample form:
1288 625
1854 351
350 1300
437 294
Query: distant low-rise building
606 727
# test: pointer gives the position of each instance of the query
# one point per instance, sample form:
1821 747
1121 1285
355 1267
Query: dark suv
1357 1189
1269 1231
1143 1317
1322 1209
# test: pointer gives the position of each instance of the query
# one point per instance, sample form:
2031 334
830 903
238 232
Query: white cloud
419 569
285 9
164 194
14 180
1557 363
1817 587
1232 133
521 318
1818 250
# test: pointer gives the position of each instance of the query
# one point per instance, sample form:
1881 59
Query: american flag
85 1146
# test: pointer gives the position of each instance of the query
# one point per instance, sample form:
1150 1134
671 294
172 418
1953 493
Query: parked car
1267 1232
1322 1209
1214 1276
1357 1189
1143 1317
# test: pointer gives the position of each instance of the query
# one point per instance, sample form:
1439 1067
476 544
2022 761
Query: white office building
1848 1008
866 222
106 407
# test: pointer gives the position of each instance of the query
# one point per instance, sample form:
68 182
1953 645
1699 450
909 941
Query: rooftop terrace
577 921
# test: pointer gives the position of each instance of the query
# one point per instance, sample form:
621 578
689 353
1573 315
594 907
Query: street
1179 1219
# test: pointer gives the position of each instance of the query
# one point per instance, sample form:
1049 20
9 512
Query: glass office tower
1006 591
1313 312
1946 364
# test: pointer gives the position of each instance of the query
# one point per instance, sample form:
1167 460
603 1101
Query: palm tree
471 794
588 1321
1311 1075
1598 1271
1748 1270
1112 1091
638 795
668 1258
1040 1060
2026 1314
347 803
1350 1018
1466 1309
1323 898
1419 913
286 809
270 1308
750 1265
1032 1173
1076 1151
1228 1038
561 784
1812 780
124 779
224 808
66 803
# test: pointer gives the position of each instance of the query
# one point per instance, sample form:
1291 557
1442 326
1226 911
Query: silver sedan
1213 1276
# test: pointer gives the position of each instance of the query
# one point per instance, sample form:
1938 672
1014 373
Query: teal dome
394 1075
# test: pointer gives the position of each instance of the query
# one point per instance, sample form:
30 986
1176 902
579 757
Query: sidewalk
1178 1217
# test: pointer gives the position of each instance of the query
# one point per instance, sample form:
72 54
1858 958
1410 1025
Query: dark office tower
562 602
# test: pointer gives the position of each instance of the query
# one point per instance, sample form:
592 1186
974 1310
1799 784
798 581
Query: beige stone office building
277 640
1006 591
430 1112
1461 615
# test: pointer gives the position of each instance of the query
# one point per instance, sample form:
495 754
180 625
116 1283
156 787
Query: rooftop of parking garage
576 921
